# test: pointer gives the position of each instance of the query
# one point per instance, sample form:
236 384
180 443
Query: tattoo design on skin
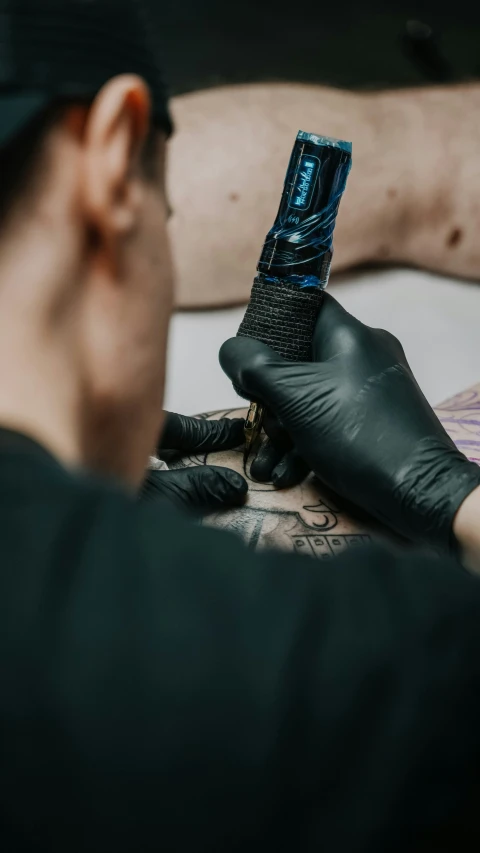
305 519
461 418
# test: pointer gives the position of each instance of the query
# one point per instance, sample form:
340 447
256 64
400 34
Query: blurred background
369 45
373 44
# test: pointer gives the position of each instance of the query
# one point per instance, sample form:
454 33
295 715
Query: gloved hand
358 419
200 489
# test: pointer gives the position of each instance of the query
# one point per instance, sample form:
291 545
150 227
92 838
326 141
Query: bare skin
461 418
311 521
86 284
411 198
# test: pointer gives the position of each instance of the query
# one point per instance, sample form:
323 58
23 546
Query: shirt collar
17 443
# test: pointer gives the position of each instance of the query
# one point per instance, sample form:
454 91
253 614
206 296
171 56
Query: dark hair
21 159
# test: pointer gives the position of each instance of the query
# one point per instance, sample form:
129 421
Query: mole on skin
454 238
383 252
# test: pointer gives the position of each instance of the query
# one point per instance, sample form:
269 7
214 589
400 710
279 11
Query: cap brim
16 111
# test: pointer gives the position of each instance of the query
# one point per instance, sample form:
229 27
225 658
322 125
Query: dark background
352 44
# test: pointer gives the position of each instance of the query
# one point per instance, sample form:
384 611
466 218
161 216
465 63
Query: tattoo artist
163 687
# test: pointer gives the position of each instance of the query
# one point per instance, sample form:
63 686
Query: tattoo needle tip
253 426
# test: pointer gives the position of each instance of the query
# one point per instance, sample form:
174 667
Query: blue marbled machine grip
294 267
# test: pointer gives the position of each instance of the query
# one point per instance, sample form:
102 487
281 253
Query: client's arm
307 519
411 196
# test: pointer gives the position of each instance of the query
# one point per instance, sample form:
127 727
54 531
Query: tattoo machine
294 266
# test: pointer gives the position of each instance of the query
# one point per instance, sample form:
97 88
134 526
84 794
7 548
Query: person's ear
115 131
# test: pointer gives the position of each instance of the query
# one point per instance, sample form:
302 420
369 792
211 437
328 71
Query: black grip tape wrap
283 316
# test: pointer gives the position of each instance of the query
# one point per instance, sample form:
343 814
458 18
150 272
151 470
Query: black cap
68 49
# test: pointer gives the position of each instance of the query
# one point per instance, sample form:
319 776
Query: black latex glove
197 435
201 489
358 419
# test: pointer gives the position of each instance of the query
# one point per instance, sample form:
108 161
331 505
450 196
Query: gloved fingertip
228 357
281 477
236 432
233 351
232 490
290 472
260 473
238 482
237 424
226 347
244 360
264 463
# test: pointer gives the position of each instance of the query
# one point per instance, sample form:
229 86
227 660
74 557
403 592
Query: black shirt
162 688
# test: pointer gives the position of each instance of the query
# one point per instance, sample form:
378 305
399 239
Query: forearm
410 198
